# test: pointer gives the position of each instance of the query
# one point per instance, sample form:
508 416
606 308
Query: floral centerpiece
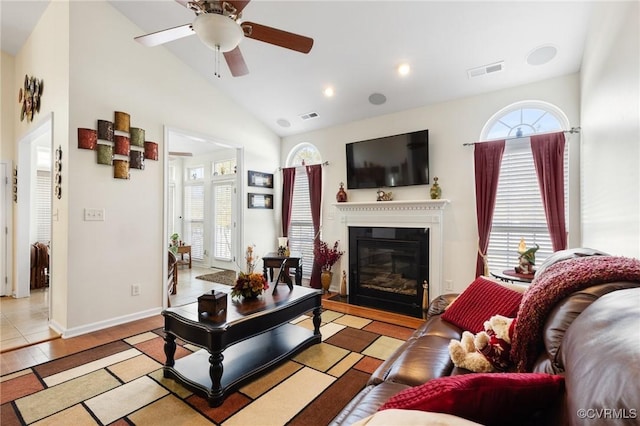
326 256
249 285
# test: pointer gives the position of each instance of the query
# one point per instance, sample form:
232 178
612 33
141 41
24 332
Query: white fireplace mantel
427 214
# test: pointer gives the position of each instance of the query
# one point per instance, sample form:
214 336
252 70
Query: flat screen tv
390 161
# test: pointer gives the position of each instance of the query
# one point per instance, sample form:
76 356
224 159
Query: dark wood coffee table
252 336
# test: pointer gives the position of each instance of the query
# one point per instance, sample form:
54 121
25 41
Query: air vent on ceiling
309 115
486 69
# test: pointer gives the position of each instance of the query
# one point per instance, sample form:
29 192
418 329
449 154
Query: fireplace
423 216
387 268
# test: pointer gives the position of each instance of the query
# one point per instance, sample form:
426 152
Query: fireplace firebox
387 268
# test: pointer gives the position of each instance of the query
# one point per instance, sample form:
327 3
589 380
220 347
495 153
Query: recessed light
541 55
328 91
404 69
283 122
377 99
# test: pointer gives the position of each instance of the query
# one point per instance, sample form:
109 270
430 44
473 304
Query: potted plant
326 257
174 242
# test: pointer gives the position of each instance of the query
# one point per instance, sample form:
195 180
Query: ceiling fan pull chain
217 62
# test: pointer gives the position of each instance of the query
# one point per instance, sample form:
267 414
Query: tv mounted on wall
390 161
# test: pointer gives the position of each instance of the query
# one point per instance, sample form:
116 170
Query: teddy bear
487 351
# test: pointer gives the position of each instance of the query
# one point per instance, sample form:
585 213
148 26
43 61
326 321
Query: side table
182 250
513 276
273 260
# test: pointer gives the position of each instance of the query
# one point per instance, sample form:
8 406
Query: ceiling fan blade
165 36
278 37
238 4
236 63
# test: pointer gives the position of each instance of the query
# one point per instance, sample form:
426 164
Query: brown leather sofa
591 337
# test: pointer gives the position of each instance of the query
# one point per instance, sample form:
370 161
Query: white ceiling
358 45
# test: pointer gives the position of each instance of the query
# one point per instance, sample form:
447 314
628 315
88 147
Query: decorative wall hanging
105 154
264 180
121 146
105 130
57 179
137 137
120 169
87 139
137 160
122 120
29 97
260 201
15 184
151 151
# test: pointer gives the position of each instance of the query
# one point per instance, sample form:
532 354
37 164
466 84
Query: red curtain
288 180
548 157
487 160
314 174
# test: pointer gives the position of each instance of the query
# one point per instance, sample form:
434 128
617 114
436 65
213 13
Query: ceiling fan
219 26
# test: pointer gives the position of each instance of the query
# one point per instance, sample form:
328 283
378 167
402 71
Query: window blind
519 212
223 222
194 219
301 227
43 206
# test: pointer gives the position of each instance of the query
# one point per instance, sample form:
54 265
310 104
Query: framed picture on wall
260 201
262 180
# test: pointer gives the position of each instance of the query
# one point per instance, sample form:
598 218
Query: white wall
91 68
450 125
610 104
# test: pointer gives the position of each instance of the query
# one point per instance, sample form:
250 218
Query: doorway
33 204
202 205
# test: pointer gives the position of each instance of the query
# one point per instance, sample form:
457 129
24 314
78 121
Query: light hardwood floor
189 288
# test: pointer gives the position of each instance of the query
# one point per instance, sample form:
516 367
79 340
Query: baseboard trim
96 326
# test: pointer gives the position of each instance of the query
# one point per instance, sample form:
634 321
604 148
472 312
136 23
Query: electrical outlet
94 215
135 290
448 285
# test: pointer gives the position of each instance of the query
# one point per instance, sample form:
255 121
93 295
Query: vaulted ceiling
358 46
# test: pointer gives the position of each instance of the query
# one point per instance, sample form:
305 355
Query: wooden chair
172 275
280 276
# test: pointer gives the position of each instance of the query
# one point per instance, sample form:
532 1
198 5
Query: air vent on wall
309 115
486 69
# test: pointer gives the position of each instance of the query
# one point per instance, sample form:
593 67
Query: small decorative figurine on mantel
436 191
384 196
341 196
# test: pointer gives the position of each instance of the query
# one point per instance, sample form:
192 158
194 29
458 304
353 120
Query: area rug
121 383
223 277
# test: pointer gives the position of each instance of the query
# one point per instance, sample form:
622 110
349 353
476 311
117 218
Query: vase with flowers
326 257
249 286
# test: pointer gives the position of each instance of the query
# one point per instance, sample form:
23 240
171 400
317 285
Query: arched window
519 212
301 226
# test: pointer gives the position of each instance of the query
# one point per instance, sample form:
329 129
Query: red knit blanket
557 282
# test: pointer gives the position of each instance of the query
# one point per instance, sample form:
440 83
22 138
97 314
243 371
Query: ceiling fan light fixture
218 31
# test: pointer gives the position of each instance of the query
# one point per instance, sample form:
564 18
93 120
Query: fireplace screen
387 268
390 266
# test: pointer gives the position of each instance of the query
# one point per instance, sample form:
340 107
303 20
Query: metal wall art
57 179
118 144
15 184
29 96
120 169
87 139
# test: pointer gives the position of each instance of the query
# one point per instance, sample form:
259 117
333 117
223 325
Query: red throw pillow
486 398
479 302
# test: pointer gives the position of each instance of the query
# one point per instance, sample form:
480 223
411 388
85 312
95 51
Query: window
301 227
43 206
519 212
195 173
194 219
224 167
